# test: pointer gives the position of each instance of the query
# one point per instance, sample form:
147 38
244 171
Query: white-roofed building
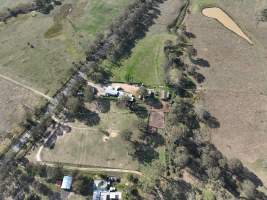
66 183
110 91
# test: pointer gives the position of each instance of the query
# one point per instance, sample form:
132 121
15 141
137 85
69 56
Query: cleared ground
89 146
146 63
38 51
235 87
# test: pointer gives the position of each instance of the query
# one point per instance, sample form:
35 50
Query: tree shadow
200 62
139 110
252 177
103 105
210 120
144 153
154 102
189 35
155 140
88 117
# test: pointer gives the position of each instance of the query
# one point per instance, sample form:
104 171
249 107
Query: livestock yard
41 57
235 87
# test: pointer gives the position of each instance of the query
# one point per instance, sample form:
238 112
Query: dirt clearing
223 18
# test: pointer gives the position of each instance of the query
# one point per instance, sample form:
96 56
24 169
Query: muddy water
226 20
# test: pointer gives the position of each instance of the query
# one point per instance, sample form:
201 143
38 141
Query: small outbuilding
66 183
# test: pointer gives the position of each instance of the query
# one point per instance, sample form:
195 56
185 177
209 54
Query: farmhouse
110 91
117 92
66 183
101 191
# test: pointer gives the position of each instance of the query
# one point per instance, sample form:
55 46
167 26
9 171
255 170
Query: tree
83 185
183 112
123 102
103 105
55 173
33 196
44 6
89 94
126 135
181 157
174 76
142 92
153 173
235 165
248 189
73 105
41 170
214 173
97 77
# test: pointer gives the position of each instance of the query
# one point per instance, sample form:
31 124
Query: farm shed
66 183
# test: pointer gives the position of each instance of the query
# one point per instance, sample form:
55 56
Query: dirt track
26 87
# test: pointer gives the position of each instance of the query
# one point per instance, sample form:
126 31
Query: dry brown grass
14 103
235 84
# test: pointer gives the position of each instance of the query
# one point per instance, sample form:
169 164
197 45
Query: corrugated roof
66 183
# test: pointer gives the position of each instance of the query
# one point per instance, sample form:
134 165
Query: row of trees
45 6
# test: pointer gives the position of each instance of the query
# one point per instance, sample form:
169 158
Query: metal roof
66 183
111 91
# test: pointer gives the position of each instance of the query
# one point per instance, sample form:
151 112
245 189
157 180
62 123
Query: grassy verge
198 5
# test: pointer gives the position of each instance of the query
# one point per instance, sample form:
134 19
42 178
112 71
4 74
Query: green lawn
208 195
145 65
198 5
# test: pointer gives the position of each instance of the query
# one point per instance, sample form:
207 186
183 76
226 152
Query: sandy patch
133 89
112 134
223 18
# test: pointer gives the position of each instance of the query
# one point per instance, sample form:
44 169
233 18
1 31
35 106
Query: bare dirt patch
133 89
226 20
156 119
236 81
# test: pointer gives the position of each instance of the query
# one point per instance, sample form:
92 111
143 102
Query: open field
4 4
235 87
89 146
14 103
30 56
146 62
